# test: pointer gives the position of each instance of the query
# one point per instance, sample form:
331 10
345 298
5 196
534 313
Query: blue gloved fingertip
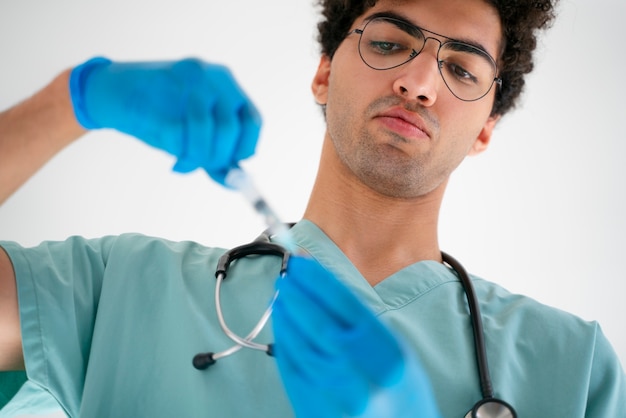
299 262
220 177
78 79
184 166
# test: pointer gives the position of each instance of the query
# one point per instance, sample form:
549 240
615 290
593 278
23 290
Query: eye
386 47
459 73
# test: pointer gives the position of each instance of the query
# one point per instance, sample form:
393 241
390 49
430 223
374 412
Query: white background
541 212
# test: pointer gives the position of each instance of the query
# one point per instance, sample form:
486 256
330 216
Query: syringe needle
241 181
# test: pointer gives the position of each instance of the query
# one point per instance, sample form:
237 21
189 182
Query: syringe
241 181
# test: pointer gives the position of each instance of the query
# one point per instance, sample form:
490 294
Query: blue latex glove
336 359
190 109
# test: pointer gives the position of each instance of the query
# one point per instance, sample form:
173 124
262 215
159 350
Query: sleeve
59 285
607 383
32 401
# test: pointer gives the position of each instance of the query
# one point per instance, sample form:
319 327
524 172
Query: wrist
77 85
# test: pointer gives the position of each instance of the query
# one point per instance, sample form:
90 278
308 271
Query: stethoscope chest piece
491 408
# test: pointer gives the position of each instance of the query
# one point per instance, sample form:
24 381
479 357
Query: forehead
471 21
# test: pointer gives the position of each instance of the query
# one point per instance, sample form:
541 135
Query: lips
405 123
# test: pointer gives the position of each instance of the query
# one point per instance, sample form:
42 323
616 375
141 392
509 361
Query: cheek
342 102
462 122
351 81
340 116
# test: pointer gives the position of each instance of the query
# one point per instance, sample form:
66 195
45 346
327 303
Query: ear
319 86
484 137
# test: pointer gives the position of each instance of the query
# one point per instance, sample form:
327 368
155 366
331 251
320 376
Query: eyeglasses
468 71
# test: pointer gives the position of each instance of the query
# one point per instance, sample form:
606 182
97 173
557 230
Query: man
409 88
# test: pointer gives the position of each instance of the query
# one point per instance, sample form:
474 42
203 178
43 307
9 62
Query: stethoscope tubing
247 341
488 406
477 325
260 246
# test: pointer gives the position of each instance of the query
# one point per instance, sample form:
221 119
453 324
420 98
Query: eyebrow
408 23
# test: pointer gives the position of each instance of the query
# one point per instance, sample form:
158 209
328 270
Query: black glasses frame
404 24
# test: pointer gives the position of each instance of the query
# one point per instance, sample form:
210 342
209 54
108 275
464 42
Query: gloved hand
191 109
336 359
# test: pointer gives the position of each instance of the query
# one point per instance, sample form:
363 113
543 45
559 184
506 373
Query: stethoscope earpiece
202 361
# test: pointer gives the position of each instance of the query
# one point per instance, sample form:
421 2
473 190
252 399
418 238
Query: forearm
11 357
33 131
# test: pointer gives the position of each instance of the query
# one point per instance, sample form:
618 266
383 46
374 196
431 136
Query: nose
419 79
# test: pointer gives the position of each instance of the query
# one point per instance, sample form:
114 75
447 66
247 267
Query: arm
11 357
33 131
191 109
194 110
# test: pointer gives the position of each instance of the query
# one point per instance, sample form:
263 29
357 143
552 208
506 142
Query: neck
378 233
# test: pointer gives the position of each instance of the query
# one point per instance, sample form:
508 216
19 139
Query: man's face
401 131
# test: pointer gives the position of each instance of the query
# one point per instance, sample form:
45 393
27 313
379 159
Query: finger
169 136
250 126
198 135
306 371
316 326
288 344
368 349
322 287
174 107
224 143
346 324
375 352
317 366
229 100
250 120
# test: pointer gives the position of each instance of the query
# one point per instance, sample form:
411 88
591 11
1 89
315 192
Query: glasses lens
387 43
469 72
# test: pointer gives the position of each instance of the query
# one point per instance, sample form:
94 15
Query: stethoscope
487 407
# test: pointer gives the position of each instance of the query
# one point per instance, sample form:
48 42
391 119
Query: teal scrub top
110 327
10 383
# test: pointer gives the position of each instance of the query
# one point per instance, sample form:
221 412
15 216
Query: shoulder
125 249
136 249
557 346
505 308
141 242
540 333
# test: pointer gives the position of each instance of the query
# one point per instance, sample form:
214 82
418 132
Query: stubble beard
381 166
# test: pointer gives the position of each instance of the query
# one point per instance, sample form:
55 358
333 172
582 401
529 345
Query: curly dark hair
520 21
